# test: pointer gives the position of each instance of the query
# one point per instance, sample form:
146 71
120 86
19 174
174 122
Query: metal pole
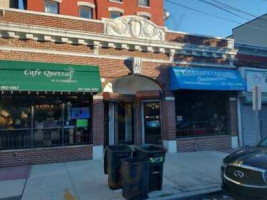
257 115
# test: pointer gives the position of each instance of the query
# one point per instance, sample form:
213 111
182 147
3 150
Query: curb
194 195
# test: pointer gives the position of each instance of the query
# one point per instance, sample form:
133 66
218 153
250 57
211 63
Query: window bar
32 125
63 122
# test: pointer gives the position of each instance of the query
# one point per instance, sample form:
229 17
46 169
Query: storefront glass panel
44 120
201 113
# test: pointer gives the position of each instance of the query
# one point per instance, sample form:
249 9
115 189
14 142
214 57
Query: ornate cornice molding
134 27
25 32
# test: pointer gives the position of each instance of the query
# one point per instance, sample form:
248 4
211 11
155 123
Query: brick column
169 123
233 121
98 127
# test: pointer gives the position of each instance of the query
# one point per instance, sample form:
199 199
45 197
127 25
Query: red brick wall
203 143
45 155
130 7
69 7
98 122
168 120
185 38
51 21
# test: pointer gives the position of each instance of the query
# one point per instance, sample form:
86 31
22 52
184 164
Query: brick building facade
128 51
94 9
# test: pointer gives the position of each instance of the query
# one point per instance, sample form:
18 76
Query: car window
263 143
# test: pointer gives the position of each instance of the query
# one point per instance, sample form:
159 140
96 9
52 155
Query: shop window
15 122
115 14
144 3
44 121
86 12
201 113
51 7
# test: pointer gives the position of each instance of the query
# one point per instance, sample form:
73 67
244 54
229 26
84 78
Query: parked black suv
244 173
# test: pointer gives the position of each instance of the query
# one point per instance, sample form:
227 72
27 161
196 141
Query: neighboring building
250 40
94 9
69 86
252 32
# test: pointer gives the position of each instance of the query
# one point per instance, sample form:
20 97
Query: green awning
36 76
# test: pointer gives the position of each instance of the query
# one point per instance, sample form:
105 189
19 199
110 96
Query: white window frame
116 9
82 3
146 14
142 5
52 1
86 7
114 1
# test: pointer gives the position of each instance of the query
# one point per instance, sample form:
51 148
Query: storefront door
151 122
119 124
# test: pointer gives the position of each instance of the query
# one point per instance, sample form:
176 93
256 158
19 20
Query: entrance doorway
128 119
119 123
151 122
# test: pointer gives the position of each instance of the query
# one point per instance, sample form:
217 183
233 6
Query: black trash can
135 178
105 161
156 156
114 155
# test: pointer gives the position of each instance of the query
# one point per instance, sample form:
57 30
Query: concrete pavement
185 174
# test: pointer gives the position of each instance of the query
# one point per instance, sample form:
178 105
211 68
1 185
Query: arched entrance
132 111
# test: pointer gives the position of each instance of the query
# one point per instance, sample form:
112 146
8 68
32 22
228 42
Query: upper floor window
52 7
120 1
115 14
86 12
145 16
145 3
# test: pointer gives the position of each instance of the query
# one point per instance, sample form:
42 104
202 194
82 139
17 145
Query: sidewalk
184 174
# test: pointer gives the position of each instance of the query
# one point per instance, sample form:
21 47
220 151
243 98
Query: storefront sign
205 79
31 76
256 78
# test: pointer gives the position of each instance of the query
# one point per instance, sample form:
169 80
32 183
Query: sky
190 21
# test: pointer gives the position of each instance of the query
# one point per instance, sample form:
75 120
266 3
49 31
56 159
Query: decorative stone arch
131 84
116 9
83 3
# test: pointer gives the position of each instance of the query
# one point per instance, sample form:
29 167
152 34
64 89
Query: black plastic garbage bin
135 178
105 161
156 156
114 155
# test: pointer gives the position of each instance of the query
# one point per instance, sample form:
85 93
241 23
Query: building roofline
248 22
199 35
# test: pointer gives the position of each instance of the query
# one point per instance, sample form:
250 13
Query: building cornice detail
134 27
10 30
90 55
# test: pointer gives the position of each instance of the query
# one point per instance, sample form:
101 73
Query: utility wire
221 8
256 22
216 16
235 9
202 12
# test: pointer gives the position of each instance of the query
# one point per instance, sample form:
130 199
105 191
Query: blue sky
190 21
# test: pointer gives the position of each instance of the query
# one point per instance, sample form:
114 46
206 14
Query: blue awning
193 78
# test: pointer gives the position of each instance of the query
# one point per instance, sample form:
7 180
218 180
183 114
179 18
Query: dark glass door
152 122
125 122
